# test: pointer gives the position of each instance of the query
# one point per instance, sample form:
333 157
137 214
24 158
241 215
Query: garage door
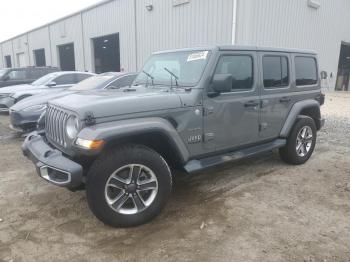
21 59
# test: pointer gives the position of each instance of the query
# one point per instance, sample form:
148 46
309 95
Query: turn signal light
90 144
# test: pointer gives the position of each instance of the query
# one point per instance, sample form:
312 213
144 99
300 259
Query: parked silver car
52 82
25 114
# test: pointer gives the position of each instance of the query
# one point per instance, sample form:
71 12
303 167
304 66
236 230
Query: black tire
289 152
114 159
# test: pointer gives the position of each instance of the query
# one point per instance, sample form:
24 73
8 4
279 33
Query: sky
19 16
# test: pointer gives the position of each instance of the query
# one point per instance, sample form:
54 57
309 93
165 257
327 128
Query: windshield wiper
148 76
172 76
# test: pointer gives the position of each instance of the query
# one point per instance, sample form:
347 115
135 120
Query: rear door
276 92
232 119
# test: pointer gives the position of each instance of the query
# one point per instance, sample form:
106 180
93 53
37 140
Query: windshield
2 72
44 80
92 83
185 67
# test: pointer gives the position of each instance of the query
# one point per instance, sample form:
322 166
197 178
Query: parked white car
52 82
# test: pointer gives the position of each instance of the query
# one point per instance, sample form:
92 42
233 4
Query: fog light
89 144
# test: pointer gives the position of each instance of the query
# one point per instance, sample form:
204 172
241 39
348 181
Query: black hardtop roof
242 48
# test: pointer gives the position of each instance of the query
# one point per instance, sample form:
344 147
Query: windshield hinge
90 119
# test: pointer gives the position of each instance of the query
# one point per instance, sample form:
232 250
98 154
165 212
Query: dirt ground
256 210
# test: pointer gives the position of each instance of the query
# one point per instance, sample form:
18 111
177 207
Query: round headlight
72 127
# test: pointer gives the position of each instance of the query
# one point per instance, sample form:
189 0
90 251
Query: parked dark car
25 114
25 75
50 83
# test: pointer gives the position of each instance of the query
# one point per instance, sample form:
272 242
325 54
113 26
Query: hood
13 89
108 103
40 99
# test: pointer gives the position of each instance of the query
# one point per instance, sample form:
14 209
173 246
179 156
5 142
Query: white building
120 34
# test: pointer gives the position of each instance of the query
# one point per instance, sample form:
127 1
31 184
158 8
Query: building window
305 71
241 69
275 71
8 62
39 57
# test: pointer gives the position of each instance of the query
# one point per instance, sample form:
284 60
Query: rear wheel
301 142
128 186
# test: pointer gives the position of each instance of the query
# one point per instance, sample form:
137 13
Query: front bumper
24 121
51 164
6 103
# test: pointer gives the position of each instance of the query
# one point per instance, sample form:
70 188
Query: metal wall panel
1 58
7 50
39 39
68 31
286 23
20 47
110 18
198 22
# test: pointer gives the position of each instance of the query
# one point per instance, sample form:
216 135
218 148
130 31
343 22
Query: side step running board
198 165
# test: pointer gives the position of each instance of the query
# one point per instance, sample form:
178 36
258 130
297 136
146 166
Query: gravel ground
256 210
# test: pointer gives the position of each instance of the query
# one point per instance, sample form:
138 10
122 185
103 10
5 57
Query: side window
17 75
305 71
123 81
36 73
81 77
275 70
241 69
68 79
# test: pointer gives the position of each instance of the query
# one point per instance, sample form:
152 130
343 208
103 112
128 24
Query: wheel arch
155 133
310 108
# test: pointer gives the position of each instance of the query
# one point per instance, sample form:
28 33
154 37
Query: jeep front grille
55 125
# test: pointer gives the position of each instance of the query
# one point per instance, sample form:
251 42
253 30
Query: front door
232 119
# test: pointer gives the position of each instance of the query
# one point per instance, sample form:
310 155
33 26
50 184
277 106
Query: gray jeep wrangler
188 109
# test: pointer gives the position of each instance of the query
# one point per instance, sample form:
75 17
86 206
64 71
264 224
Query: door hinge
263 126
208 110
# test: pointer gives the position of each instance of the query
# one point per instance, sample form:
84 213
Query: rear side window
81 77
241 69
36 73
275 70
305 71
68 79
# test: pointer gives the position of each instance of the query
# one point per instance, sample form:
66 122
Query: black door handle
285 100
251 104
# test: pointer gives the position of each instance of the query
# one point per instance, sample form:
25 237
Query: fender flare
115 130
294 114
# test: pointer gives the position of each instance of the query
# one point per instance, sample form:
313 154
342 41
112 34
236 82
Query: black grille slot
55 125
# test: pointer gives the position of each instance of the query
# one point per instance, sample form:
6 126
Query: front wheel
301 142
128 186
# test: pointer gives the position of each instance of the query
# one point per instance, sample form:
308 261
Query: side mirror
6 78
324 75
51 84
222 83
